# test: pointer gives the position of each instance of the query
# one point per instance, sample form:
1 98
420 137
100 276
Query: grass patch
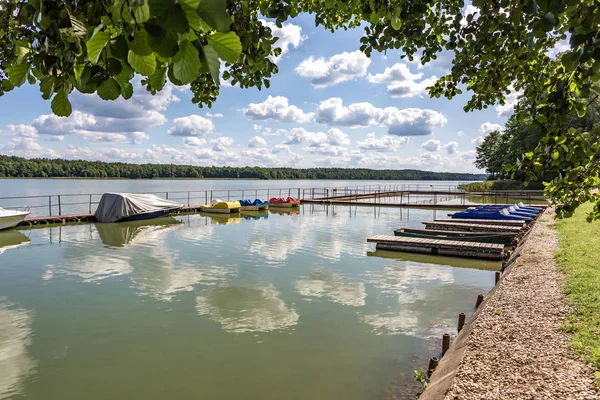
579 259
499 185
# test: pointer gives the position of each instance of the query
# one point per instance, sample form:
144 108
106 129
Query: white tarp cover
114 206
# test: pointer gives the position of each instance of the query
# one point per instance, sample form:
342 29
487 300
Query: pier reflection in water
280 304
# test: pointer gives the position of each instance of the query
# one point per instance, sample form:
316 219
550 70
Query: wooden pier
488 251
471 227
518 223
58 219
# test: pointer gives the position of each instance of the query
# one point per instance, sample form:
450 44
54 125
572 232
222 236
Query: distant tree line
18 167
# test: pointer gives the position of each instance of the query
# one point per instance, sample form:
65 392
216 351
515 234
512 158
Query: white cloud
222 143
510 101
411 88
331 142
401 82
55 138
257 141
488 127
397 73
470 10
560 47
477 141
26 147
289 35
431 145
194 141
339 68
460 133
211 115
192 125
400 122
278 109
138 137
21 130
451 147
383 144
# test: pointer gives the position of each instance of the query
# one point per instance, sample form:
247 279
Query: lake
265 306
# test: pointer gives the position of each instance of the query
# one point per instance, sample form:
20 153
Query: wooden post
211 194
445 343
188 198
461 321
167 195
59 207
90 208
50 205
497 277
479 300
433 363
205 197
298 192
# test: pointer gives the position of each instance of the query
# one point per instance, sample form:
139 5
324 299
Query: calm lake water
266 306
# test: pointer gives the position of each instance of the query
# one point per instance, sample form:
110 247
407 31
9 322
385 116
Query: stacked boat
518 212
222 207
253 205
281 202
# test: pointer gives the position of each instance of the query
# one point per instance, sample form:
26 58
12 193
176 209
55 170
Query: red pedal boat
284 203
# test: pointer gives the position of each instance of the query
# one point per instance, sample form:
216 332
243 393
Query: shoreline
513 345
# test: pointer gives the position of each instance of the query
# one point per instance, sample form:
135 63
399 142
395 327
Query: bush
499 185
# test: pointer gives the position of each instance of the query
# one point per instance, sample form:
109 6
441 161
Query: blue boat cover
256 202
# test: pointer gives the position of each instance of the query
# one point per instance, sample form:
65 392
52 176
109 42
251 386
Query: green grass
498 185
579 259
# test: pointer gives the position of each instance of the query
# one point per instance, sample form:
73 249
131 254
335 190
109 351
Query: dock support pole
445 343
90 205
461 321
433 363
50 205
298 192
479 300
188 198
497 277
59 207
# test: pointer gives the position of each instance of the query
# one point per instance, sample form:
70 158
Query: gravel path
516 349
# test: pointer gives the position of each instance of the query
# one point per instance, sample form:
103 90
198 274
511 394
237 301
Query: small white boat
11 218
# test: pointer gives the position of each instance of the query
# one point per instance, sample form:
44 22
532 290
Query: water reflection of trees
12 239
16 364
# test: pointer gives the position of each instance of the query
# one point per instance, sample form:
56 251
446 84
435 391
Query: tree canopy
96 46
18 167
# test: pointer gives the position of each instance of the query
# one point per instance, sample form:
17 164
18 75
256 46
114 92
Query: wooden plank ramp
450 226
483 221
488 251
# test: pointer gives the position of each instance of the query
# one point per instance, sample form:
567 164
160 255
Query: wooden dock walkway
471 227
57 219
488 251
501 222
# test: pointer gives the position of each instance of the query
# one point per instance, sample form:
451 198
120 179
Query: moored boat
125 207
502 214
481 237
11 218
222 207
281 202
250 205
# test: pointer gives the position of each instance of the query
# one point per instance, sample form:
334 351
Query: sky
329 106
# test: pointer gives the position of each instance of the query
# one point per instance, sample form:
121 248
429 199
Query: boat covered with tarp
461 236
254 205
123 207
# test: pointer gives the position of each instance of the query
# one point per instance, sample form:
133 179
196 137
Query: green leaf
172 78
60 104
194 19
78 70
126 86
214 12
227 45
109 89
144 65
142 13
158 79
164 45
548 21
96 44
160 7
21 52
119 48
175 20
78 28
212 58
186 63
17 74
140 44
194 4
47 87
114 66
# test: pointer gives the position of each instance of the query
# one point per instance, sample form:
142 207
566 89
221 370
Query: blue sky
328 106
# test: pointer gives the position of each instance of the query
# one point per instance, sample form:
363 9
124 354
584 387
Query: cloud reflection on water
333 286
15 337
242 309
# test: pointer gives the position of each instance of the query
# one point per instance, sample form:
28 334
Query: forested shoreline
18 167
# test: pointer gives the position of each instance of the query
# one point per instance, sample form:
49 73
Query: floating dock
471 227
58 219
488 251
